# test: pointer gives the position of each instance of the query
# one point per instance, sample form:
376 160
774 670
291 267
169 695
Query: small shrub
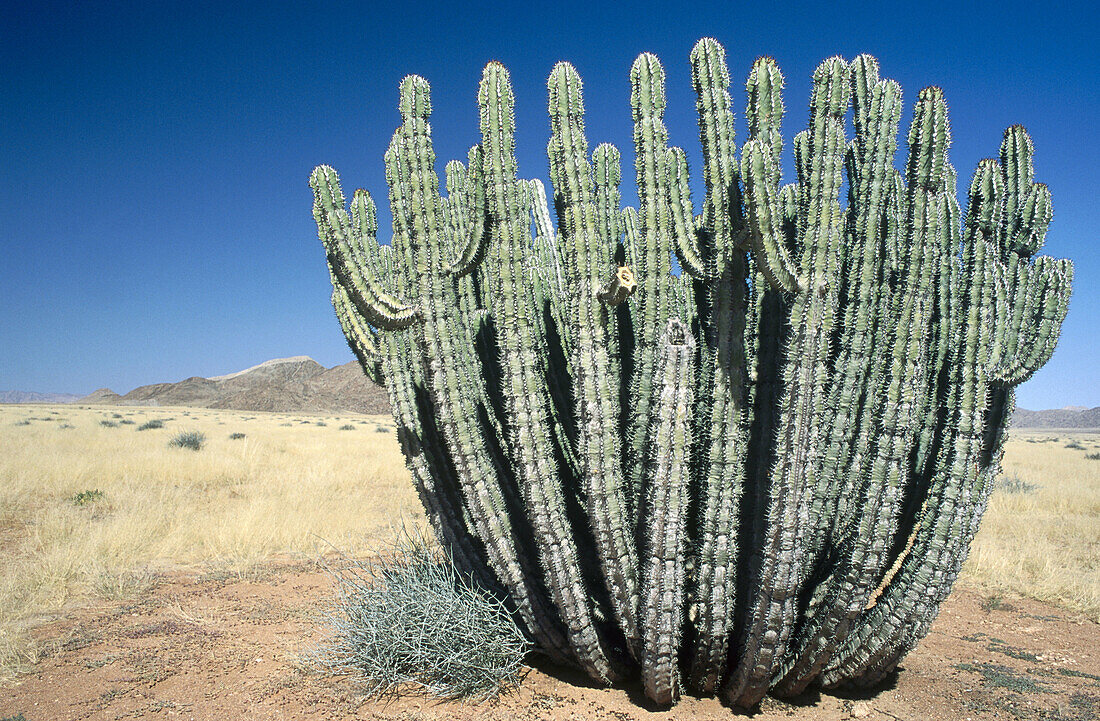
1075 446
151 425
347 427
236 436
1077 674
1014 484
381 429
115 584
24 422
997 676
992 603
86 497
108 424
116 415
320 423
126 422
64 426
467 645
188 439
1092 456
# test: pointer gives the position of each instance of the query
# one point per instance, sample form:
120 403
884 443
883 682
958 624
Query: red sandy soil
209 647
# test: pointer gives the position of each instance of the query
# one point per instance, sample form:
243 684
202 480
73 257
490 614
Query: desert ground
139 579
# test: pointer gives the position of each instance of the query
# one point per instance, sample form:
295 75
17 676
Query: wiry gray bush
406 620
1014 484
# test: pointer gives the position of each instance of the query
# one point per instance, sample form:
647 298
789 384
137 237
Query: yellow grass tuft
1044 543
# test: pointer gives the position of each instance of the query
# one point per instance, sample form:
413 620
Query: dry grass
290 486
295 479
1044 543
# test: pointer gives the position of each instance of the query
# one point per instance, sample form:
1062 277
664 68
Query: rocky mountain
287 385
1068 417
34 397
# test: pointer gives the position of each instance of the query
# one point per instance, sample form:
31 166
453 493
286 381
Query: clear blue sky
155 220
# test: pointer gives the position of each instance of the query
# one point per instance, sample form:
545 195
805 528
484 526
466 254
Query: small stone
861 710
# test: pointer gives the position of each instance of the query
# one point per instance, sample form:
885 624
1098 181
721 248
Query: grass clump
1074 445
151 425
1077 674
1014 484
1092 456
993 603
236 436
188 439
108 423
1003 677
87 497
409 621
347 427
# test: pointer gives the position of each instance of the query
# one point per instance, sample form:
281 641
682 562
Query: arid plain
120 552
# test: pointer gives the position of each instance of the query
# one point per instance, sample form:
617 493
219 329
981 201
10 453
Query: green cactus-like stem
972 453
470 189
653 263
792 479
766 233
871 649
360 336
525 388
335 229
666 515
853 405
680 211
388 356
416 210
588 260
1035 297
851 410
721 406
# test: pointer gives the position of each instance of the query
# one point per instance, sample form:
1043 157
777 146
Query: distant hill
286 385
103 396
301 384
33 397
1068 417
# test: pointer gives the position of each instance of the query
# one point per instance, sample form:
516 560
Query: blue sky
156 219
